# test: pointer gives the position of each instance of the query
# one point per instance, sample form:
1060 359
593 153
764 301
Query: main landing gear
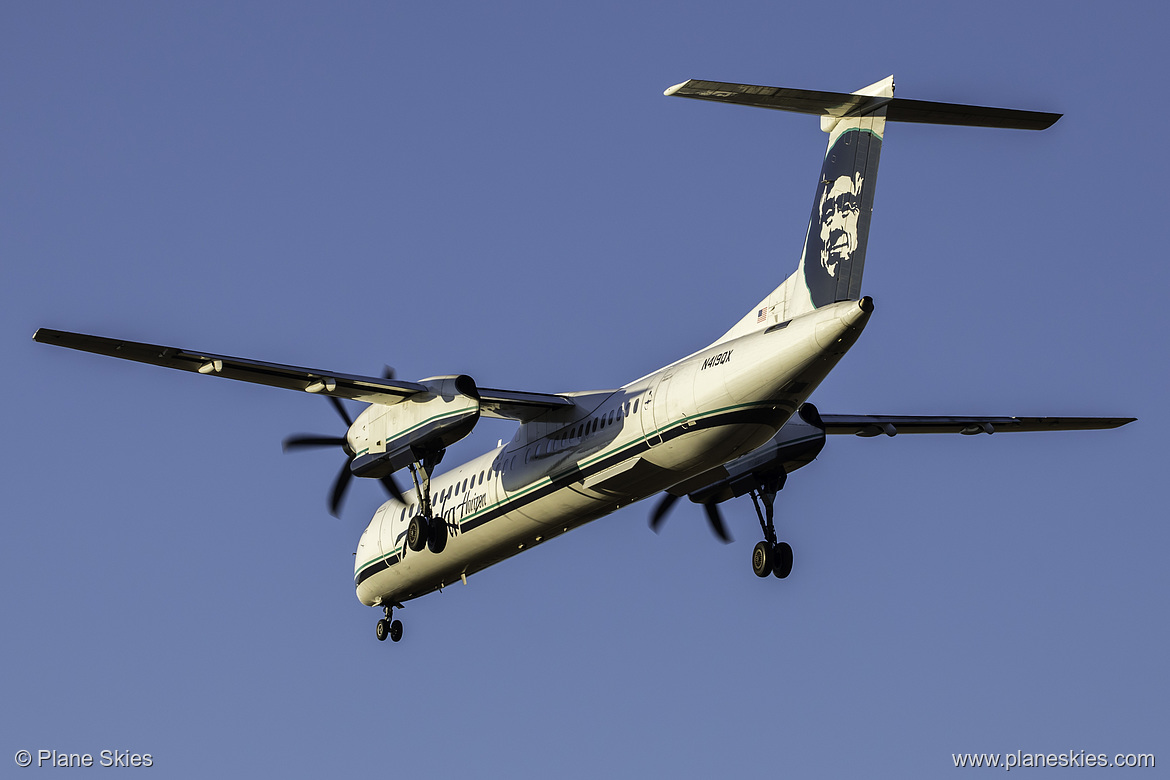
770 556
426 529
388 627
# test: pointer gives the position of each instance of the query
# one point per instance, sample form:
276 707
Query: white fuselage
609 450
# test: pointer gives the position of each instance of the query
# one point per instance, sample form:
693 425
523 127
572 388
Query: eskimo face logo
840 206
840 220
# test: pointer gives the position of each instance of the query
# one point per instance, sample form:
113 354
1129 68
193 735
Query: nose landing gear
770 556
388 627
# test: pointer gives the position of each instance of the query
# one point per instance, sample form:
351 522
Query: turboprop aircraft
728 420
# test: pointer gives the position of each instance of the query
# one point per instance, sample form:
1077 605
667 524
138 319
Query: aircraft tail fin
833 258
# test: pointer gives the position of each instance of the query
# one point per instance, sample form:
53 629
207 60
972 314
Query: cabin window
635 411
611 415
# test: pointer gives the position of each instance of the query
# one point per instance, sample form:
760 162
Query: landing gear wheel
417 533
762 559
437 538
388 626
782 560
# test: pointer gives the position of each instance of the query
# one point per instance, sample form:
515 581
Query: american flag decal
761 315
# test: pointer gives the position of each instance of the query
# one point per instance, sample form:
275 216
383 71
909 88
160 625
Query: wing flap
518 405
309 380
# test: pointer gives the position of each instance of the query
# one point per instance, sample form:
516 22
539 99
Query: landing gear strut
388 627
770 556
425 529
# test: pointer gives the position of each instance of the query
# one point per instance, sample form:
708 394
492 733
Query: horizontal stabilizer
891 425
840 104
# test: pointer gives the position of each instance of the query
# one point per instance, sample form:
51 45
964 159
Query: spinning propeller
341 484
714 518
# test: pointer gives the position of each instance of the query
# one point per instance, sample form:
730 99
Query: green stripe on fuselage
592 460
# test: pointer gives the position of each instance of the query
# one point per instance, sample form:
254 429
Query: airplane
728 420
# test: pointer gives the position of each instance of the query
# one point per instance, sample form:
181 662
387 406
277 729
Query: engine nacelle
796 445
393 437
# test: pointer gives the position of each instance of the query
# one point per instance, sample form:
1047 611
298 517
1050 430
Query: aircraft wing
309 380
890 425
506 404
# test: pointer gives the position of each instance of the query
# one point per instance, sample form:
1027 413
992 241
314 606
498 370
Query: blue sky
502 190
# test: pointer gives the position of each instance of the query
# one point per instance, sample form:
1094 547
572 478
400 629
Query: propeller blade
392 487
311 441
338 493
659 513
716 521
340 410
